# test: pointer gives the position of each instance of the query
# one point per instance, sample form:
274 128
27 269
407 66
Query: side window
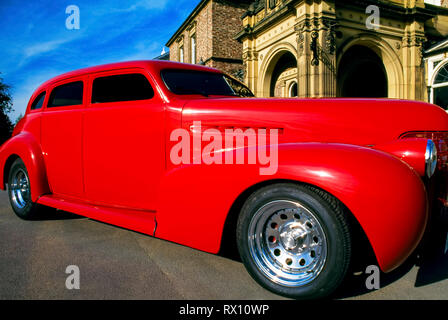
38 102
123 87
69 94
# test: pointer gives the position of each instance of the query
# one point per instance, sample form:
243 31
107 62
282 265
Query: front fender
384 194
25 146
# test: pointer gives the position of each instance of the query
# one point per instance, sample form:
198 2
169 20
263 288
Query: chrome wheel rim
287 243
20 189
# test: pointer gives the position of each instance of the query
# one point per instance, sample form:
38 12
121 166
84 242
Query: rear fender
25 146
383 193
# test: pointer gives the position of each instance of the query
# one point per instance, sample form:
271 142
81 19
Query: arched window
442 75
440 87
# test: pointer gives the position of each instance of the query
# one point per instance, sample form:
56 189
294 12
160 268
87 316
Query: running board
136 220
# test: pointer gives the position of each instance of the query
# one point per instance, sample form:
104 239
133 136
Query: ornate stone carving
180 38
300 49
314 48
250 55
330 26
191 26
315 25
414 40
319 54
300 44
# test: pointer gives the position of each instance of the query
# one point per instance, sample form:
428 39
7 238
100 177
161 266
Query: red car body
97 160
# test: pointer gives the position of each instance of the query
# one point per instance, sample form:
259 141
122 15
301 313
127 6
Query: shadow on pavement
434 262
355 281
47 213
431 257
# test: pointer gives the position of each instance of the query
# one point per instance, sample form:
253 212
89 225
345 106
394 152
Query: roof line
437 46
187 21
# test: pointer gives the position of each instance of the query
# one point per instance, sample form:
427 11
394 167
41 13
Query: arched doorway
282 72
361 74
277 71
293 90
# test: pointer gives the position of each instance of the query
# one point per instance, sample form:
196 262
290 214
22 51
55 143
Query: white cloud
145 5
143 51
43 47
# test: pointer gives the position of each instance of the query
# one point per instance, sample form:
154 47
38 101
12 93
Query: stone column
327 53
250 58
413 64
316 48
303 59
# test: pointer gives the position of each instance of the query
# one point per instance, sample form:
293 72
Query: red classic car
174 151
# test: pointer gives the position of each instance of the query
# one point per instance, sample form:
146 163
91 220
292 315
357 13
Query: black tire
301 251
20 198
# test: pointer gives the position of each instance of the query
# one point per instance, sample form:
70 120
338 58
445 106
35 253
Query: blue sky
36 45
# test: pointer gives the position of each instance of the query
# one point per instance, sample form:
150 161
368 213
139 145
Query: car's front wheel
294 240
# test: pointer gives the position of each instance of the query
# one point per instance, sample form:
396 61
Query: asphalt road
115 263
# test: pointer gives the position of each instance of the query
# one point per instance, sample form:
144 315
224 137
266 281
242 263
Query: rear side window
69 94
38 102
123 87
196 82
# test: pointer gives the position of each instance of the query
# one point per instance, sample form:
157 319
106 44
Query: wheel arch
26 148
228 245
7 168
391 191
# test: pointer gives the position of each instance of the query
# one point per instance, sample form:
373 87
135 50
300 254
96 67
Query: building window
439 92
442 75
181 54
193 49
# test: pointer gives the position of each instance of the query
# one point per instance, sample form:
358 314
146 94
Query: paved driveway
115 263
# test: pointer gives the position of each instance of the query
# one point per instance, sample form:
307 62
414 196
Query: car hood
353 121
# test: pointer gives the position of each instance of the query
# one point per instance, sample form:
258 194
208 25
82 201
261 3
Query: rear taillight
440 139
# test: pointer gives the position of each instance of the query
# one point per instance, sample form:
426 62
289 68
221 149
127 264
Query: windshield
185 82
238 87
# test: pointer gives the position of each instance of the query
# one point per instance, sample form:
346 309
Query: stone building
207 36
325 48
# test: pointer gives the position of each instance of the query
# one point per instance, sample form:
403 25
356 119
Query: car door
61 136
123 139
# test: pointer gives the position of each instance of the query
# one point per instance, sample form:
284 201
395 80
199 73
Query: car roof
151 65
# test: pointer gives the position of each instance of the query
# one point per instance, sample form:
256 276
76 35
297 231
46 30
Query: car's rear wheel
19 191
294 240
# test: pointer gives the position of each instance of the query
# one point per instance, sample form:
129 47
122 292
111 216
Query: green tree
6 125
